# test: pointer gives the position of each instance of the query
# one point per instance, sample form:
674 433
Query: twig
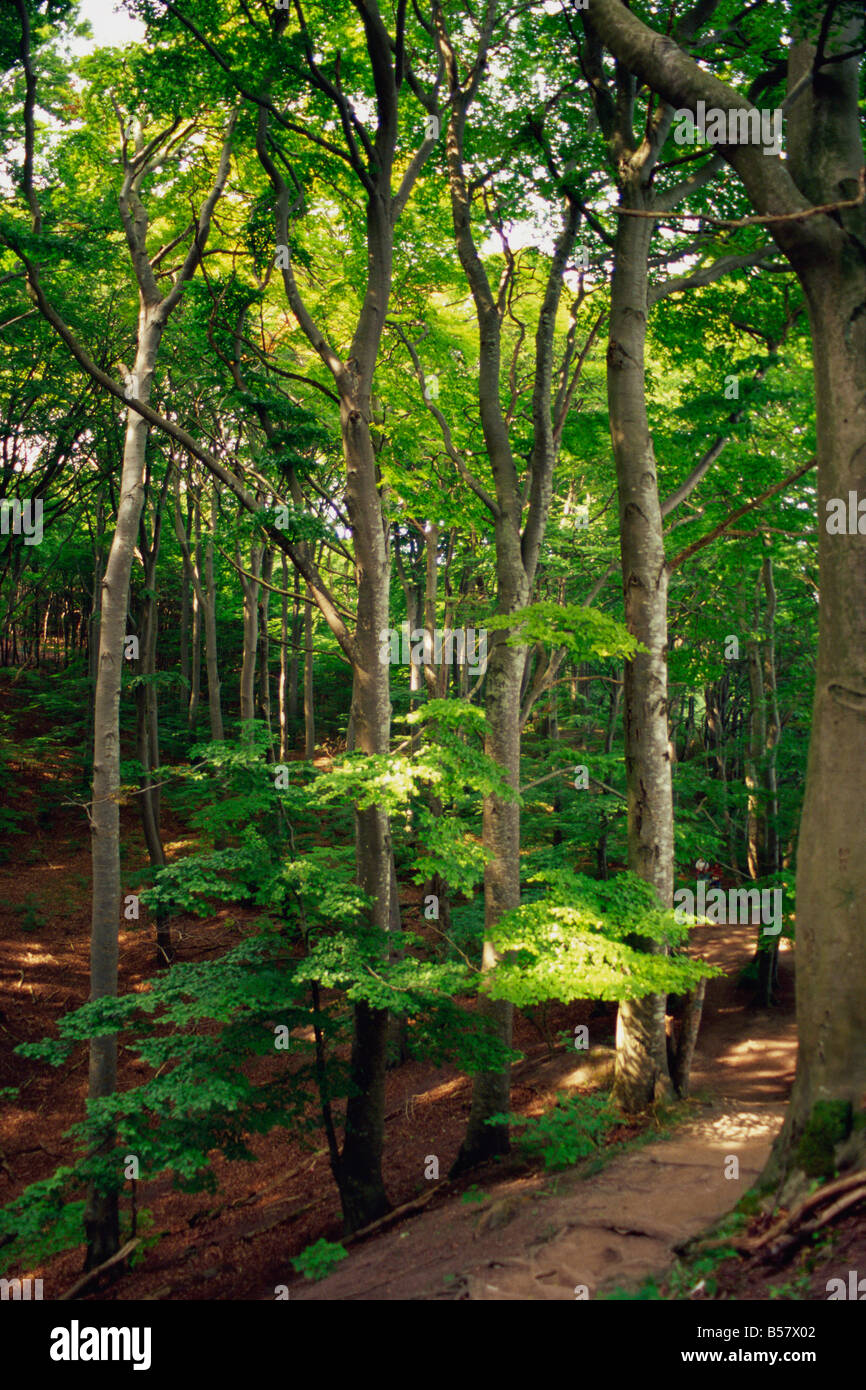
384 1221
757 220
93 1274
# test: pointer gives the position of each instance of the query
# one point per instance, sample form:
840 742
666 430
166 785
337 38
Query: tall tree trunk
185 638
250 588
501 837
517 551
362 1187
641 1049
824 165
208 600
147 736
309 709
265 646
284 636
773 722
756 828
201 576
101 1214
831 858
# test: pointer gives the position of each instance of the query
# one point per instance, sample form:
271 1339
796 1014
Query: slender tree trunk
210 634
685 1051
101 1215
185 640
309 708
265 646
501 836
251 632
773 721
284 634
361 1184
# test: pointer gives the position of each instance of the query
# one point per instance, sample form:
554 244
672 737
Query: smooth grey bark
371 158
208 602
824 165
250 588
642 1072
185 639
309 705
101 1215
147 709
201 576
195 636
282 707
764 731
641 1055
517 551
264 701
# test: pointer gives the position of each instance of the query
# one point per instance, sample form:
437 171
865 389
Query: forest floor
511 1231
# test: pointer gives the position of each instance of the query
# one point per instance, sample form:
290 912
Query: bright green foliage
318 1260
473 1195
575 1128
584 632
572 944
200 1097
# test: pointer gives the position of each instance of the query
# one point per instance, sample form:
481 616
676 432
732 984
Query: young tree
140 158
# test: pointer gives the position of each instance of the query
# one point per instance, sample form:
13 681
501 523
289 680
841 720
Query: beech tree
814 206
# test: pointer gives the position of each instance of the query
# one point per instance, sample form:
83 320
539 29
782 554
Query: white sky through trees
111 25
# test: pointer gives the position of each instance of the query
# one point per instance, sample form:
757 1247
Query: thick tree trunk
641 1049
824 165
294 661
831 859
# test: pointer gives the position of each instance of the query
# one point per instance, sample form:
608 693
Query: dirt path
538 1237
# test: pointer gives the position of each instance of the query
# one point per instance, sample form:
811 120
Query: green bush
575 1128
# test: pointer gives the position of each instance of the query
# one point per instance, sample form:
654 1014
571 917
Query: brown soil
540 1237
533 1235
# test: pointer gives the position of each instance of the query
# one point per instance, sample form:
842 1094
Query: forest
433 651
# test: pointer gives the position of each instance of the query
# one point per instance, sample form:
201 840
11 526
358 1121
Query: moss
828 1125
750 1202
